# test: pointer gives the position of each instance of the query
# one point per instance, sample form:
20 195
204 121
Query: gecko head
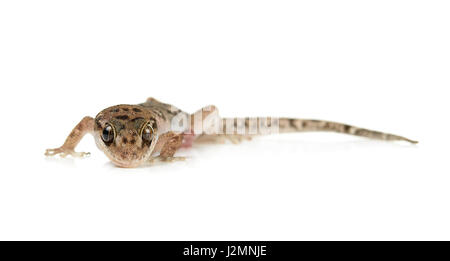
126 134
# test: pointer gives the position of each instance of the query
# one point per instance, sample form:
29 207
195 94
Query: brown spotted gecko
131 135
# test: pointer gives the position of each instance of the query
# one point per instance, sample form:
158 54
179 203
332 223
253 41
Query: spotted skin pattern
132 135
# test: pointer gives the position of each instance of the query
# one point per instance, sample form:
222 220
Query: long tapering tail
270 125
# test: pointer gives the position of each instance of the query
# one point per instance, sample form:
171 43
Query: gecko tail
299 125
268 125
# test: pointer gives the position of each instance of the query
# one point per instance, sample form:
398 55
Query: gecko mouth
128 162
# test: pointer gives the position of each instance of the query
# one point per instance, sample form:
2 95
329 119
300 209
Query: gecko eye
108 134
147 132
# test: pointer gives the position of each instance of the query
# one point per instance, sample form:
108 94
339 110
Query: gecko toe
52 152
64 153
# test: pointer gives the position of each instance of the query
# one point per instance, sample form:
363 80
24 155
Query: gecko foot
64 152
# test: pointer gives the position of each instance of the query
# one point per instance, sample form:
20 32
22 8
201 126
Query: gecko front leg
86 125
169 143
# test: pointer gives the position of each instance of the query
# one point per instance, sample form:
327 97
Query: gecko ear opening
108 134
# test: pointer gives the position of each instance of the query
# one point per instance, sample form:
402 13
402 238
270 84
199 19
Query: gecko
132 135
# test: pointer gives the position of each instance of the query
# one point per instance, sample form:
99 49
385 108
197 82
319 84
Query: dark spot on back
115 110
125 109
137 110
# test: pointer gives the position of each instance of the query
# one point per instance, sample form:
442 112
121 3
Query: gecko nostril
124 140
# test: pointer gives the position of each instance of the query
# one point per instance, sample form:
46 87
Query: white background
376 64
